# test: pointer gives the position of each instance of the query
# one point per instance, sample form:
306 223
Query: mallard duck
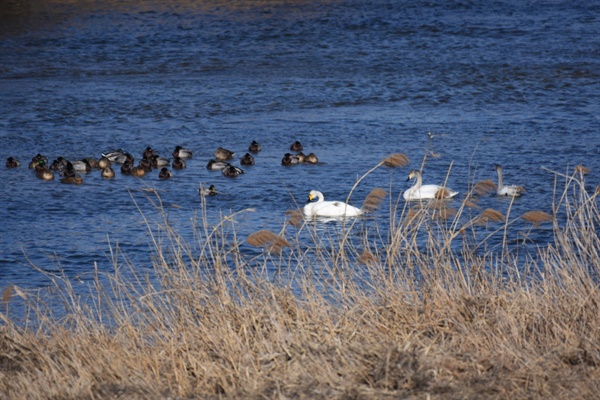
38 157
180 152
68 170
311 159
42 171
82 165
254 147
247 160
216 165
75 179
126 168
178 163
108 172
165 173
418 191
209 191
508 190
232 171
12 162
118 156
148 153
289 159
223 154
158 161
296 146
322 208
104 162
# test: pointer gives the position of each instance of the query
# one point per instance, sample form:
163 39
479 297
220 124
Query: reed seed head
373 200
268 240
537 217
490 215
582 169
396 160
484 187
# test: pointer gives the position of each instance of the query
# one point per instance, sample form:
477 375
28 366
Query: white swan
508 190
322 208
419 191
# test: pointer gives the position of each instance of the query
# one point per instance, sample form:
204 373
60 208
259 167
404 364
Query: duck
254 147
42 171
311 159
209 191
12 162
180 152
289 159
158 161
232 171
247 159
296 146
508 190
224 154
118 156
35 159
138 171
216 165
68 170
126 168
165 173
148 153
92 162
108 172
81 165
145 164
75 179
322 208
418 191
58 164
104 162
178 163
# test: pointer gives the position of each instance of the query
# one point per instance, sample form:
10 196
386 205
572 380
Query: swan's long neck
418 181
320 197
500 185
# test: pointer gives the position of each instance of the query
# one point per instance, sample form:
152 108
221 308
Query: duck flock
70 171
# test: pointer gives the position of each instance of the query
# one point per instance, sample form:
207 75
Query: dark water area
496 82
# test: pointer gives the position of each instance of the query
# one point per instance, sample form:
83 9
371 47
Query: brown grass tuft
582 169
373 200
396 160
484 187
537 217
7 294
367 258
490 215
295 217
268 240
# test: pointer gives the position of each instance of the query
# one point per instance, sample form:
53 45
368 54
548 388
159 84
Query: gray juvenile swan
508 190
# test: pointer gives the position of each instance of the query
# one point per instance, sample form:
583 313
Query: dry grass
424 311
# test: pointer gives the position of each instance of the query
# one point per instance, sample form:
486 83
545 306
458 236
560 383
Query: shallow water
496 82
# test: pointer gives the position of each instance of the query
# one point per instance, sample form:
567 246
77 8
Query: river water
507 82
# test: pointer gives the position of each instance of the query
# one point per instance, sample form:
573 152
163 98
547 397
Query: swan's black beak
408 179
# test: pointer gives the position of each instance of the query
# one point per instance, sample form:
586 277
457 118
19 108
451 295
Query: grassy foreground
425 312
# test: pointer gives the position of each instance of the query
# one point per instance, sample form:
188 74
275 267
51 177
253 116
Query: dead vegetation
424 312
